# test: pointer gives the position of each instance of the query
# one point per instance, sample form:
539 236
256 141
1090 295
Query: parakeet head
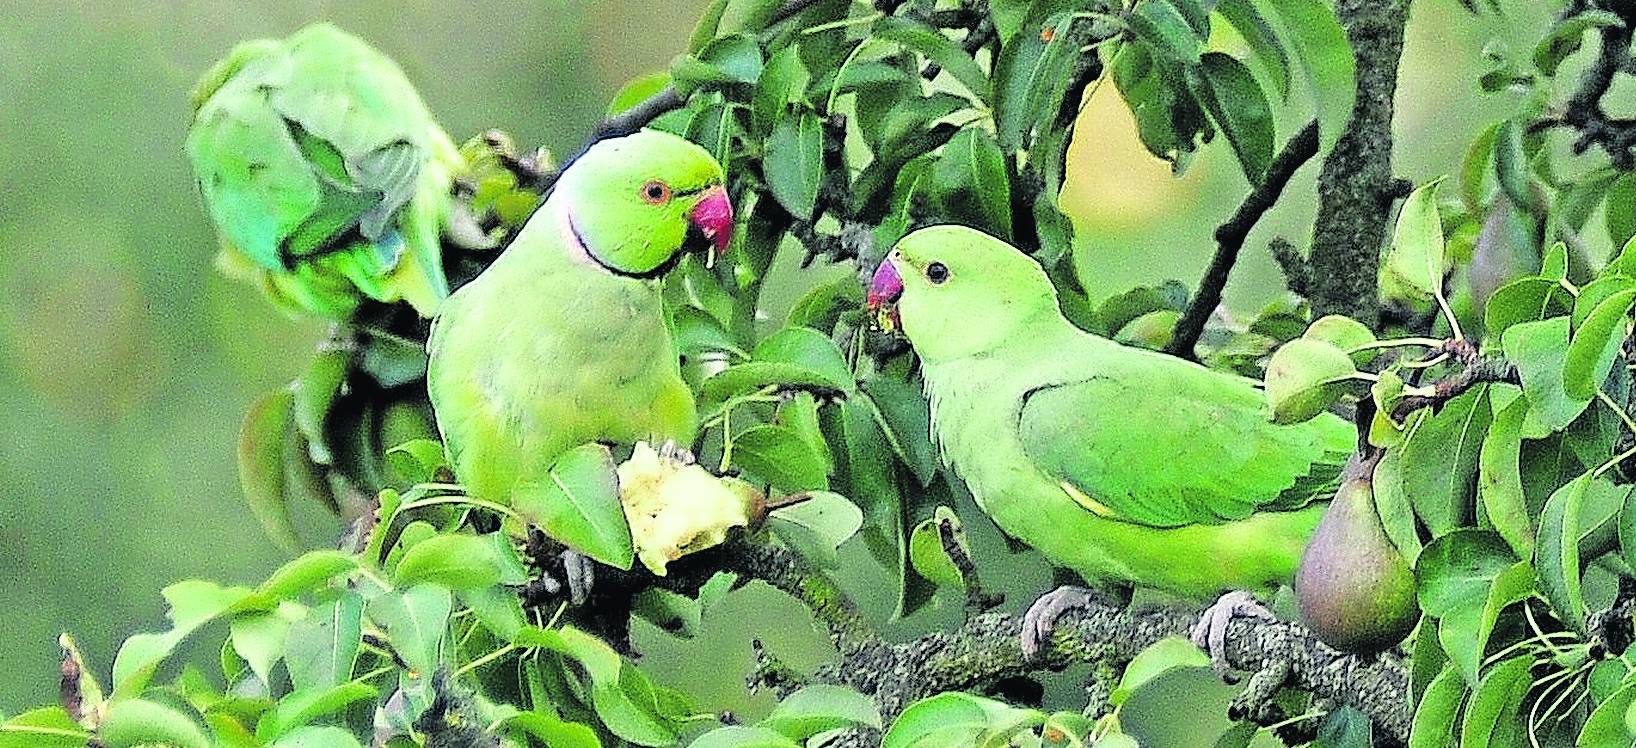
957 291
635 202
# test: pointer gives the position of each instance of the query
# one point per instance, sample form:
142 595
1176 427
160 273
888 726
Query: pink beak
714 216
884 290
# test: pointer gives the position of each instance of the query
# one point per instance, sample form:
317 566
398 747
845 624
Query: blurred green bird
326 176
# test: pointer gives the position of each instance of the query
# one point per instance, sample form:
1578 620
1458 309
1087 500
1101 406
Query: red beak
884 290
713 215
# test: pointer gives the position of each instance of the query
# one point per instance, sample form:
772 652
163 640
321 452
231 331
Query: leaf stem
485 659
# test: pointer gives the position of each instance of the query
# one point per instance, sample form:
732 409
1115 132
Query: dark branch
1584 110
1231 235
1476 372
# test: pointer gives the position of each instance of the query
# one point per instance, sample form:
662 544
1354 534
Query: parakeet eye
937 272
656 192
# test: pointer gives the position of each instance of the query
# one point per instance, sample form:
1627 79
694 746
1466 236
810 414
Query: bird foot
670 450
1210 634
1041 619
581 576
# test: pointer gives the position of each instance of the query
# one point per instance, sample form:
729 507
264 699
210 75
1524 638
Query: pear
1354 588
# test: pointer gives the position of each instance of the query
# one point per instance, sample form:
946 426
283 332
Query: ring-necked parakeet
563 340
1126 466
326 176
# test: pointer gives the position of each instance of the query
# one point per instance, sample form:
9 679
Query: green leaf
1567 35
1492 717
1236 102
733 59
783 82
1393 507
553 731
1595 345
1435 716
320 649
457 561
261 465
870 478
1160 25
1465 579
318 737
934 46
1160 657
792 358
1345 727
622 696
1607 724
315 391
304 706
636 91
905 418
779 456
815 528
1627 529
971 184
1499 479
1304 377
415 620
927 554
1511 162
1261 38
1474 169
1597 291
1032 72
959 719
1537 348
820 708
794 164
1415 264
1558 562
137 722
259 639
1440 460
1621 210
1525 299
416 460
577 503
739 736
312 570
45 727
1325 58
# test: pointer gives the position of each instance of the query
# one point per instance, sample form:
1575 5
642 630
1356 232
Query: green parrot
326 176
1126 466
563 340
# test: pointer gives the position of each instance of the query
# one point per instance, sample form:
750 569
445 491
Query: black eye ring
937 272
656 192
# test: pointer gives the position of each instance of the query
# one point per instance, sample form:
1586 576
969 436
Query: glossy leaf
1240 108
1435 718
415 620
456 561
971 183
1595 345
1558 562
1416 263
1325 58
1440 460
1160 657
261 465
302 707
934 46
815 528
137 722
320 649
779 456
794 164
1499 479
577 502
820 708
792 358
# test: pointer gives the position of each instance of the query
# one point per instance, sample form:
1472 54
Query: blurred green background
126 360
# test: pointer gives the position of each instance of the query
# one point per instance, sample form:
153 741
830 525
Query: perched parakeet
326 176
1126 466
563 340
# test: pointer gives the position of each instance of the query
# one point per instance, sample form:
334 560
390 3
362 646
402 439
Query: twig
1584 111
1297 273
1476 372
1231 235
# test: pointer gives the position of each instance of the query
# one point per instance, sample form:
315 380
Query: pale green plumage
1121 464
560 343
324 173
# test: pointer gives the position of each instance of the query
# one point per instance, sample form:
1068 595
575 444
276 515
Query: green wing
1178 445
307 152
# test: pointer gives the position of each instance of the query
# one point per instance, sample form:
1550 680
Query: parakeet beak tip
713 217
884 290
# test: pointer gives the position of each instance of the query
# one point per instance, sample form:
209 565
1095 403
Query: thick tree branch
1356 186
1231 235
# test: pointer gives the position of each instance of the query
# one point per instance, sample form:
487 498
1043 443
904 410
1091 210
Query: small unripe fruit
1354 588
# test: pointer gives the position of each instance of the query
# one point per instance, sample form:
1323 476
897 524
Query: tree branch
1231 235
1584 110
1356 186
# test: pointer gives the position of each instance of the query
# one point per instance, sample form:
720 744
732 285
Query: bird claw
1210 634
581 576
670 450
1041 619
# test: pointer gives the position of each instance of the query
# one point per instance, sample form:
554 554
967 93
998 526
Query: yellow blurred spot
1112 182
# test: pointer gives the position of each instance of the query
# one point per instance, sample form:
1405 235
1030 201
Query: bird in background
563 340
1126 466
326 177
